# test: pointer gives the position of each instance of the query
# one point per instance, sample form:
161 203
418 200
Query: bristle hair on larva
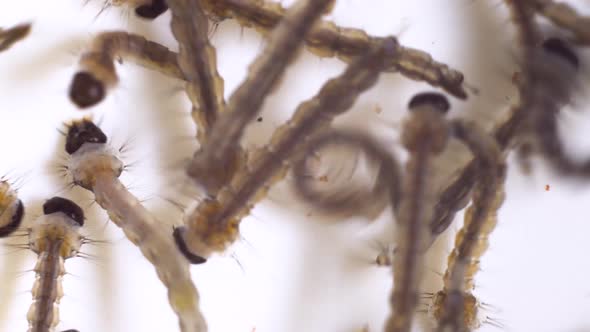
95 167
54 237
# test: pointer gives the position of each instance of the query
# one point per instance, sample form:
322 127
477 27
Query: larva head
559 48
86 90
153 10
83 131
69 208
427 125
89 155
59 225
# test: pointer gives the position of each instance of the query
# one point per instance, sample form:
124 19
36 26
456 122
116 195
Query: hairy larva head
89 154
86 90
60 204
11 209
57 224
153 10
83 131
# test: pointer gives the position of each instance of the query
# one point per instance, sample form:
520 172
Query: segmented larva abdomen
213 225
481 244
97 71
9 37
43 314
328 40
197 59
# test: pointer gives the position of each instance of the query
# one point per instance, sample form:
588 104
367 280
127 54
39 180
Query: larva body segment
94 167
97 72
54 237
214 224
264 73
454 307
424 135
328 40
198 62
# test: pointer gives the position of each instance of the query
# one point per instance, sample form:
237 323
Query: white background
295 272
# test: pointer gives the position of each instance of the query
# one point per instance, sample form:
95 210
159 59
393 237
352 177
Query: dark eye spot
559 48
157 8
15 222
433 99
60 204
81 132
86 90
179 240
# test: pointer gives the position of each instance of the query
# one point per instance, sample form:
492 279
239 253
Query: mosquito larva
94 166
11 209
97 73
454 307
327 40
564 16
456 195
214 224
54 237
197 60
424 135
9 37
223 142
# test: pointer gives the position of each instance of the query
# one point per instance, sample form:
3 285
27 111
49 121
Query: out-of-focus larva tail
9 37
